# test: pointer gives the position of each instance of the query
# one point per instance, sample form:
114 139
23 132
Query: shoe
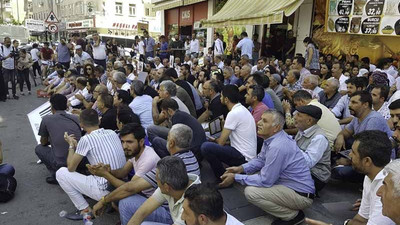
16 97
8 97
29 93
299 219
51 180
23 93
77 215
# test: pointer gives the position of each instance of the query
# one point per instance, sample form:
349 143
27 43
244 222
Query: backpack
8 184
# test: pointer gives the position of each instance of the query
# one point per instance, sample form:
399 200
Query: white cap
78 47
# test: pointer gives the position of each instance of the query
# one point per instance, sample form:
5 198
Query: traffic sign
53 28
52 18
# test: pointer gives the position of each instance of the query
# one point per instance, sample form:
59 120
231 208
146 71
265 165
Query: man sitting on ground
214 107
204 204
173 180
99 146
283 187
51 131
109 113
240 128
330 96
132 194
254 96
312 140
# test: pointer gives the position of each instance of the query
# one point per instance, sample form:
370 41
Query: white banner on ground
35 118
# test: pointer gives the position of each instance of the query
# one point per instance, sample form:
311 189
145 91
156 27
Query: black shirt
216 108
109 120
150 91
191 79
199 136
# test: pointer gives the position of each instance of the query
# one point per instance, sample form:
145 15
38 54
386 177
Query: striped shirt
191 166
102 146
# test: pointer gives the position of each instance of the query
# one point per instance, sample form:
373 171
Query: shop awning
169 4
190 2
252 12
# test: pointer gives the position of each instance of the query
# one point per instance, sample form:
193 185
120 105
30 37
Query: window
118 8
104 8
147 12
132 9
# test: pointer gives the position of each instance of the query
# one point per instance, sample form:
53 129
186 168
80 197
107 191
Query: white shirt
141 48
221 65
246 45
9 62
182 106
85 93
230 220
384 110
159 66
34 54
218 47
372 67
371 205
142 106
243 131
81 59
131 76
99 52
194 46
342 81
126 87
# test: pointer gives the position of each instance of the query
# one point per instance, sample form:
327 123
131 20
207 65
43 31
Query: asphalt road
35 201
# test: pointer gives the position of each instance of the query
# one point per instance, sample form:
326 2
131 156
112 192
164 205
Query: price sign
342 24
374 7
371 25
344 7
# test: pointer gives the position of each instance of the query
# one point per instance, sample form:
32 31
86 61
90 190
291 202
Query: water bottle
87 219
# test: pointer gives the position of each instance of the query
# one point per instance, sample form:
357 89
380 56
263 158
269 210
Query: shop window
118 8
132 9
147 12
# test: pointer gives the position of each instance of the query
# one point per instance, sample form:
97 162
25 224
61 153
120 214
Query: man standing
149 43
35 58
278 180
246 46
240 128
194 46
218 45
256 49
312 140
63 54
99 51
99 146
51 131
8 63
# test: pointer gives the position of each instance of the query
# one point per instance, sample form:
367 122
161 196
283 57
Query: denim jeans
216 154
128 206
9 75
7 169
347 173
158 139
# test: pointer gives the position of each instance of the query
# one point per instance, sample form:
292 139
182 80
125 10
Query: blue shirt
63 53
267 100
164 46
373 121
280 162
150 44
232 80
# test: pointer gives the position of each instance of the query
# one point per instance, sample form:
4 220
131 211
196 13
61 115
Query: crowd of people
132 132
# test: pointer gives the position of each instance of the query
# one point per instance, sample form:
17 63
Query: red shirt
47 52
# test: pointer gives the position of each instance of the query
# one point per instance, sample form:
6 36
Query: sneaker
299 219
16 97
29 93
77 215
8 97
23 93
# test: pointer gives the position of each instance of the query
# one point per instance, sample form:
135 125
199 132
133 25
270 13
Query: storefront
183 17
81 26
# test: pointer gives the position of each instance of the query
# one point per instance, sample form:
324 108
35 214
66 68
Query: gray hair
394 169
335 82
182 134
313 79
279 119
119 77
229 69
118 64
137 87
172 170
169 86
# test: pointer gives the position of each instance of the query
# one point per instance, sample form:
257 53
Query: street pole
18 11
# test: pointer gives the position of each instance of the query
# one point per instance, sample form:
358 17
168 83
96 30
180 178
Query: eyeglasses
89 69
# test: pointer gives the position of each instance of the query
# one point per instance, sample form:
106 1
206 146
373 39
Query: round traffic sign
53 28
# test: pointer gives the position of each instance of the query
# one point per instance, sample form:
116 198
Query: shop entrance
186 32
